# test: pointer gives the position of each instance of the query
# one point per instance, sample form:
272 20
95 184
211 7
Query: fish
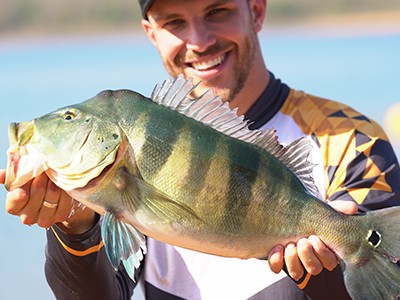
189 172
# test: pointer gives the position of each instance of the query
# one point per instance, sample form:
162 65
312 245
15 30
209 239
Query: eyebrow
163 16
166 16
218 3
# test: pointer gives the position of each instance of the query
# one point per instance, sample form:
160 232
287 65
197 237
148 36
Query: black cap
145 6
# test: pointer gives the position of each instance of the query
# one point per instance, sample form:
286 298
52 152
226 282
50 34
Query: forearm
77 267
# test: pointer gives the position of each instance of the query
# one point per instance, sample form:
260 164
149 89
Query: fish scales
190 173
176 168
243 171
228 192
216 183
171 145
166 151
200 167
231 174
209 206
161 136
228 183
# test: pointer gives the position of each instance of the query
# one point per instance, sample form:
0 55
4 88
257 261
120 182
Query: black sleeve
77 267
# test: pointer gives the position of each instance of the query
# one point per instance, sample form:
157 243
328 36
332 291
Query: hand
41 202
309 254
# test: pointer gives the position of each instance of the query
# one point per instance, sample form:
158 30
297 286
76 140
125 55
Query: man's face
210 40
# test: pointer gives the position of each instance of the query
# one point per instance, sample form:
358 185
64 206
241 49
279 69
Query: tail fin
372 272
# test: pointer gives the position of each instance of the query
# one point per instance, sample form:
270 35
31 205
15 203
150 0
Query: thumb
2 176
343 206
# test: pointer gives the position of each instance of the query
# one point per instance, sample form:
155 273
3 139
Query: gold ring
49 205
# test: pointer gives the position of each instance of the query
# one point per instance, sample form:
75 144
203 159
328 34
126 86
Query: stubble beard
241 70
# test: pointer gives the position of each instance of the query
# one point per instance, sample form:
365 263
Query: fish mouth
20 133
19 136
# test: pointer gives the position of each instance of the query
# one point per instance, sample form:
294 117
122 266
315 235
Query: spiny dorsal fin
210 110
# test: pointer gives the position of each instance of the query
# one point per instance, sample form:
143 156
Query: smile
208 64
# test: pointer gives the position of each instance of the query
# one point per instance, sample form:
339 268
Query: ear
149 30
258 9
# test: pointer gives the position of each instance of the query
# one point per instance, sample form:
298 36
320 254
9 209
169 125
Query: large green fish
190 173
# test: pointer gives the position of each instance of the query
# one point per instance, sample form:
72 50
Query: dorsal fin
210 110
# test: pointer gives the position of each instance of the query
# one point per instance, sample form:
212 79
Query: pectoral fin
162 206
137 194
122 242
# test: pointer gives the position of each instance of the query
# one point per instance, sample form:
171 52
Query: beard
243 61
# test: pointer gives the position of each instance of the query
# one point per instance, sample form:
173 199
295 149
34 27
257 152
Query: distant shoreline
348 25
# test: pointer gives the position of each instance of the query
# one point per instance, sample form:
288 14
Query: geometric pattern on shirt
349 143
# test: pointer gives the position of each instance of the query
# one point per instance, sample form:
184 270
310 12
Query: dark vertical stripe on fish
159 144
243 171
200 165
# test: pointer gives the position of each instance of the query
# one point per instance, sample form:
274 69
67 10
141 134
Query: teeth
208 64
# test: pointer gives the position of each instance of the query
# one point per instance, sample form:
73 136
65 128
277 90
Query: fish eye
69 115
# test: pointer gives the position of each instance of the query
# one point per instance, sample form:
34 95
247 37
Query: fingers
39 201
297 258
37 193
293 264
275 259
30 213
17 199
49 205
288 255
325 255
2 176
346 207
308 257
308 254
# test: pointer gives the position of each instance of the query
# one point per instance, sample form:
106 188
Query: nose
199 36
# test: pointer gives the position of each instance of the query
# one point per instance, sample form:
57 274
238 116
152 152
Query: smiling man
216 42
212 41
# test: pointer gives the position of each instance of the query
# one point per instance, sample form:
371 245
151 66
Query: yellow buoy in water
392 123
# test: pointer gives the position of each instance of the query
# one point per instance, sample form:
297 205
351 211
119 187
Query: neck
256 83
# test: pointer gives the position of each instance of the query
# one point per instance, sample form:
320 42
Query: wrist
80 222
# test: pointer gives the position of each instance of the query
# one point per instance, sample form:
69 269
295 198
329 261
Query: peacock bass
190 173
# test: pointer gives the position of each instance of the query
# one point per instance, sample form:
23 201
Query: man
215 41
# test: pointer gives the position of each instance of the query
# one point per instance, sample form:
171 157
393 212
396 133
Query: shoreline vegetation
30 19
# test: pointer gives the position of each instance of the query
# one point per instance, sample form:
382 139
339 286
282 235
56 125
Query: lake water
39 76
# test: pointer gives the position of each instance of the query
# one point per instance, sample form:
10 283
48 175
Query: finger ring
49 204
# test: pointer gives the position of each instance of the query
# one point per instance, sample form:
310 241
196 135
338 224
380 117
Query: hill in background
57 16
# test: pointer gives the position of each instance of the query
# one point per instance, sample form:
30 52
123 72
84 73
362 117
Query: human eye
218 13
173 24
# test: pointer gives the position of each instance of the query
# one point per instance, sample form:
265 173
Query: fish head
71 145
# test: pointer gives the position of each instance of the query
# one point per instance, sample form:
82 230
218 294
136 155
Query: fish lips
22 166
